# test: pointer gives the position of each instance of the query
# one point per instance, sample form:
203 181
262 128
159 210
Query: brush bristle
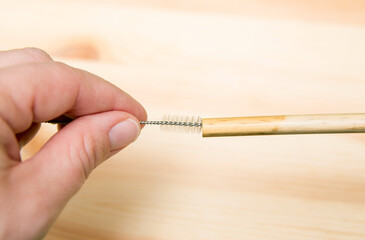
178 123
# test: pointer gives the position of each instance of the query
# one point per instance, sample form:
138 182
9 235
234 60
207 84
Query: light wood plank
337 11
177 186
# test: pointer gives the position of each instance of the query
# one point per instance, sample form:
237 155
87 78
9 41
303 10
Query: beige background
213 58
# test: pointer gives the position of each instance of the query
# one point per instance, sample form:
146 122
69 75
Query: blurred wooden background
213 58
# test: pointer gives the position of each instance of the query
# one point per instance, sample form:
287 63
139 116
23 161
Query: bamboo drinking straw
284 124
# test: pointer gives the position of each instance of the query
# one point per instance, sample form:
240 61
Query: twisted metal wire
178 123
172 123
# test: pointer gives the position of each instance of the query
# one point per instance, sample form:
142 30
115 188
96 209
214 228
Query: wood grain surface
213 59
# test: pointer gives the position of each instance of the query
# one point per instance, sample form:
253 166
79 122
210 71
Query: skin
34 89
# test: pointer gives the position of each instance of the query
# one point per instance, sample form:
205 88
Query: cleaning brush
261 125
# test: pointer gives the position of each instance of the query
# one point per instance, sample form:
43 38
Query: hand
34 89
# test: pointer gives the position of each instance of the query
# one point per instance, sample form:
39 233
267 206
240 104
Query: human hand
34 89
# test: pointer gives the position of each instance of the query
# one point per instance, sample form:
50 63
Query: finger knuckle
37 55
88 154
72 73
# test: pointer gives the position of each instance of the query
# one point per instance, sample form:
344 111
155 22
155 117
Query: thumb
65 161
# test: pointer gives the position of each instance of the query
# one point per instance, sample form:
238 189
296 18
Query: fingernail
123 134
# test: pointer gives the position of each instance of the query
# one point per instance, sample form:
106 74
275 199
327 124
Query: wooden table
213 58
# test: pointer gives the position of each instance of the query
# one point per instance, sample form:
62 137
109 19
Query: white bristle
178 123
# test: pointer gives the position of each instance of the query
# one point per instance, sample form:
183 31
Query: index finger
39 92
